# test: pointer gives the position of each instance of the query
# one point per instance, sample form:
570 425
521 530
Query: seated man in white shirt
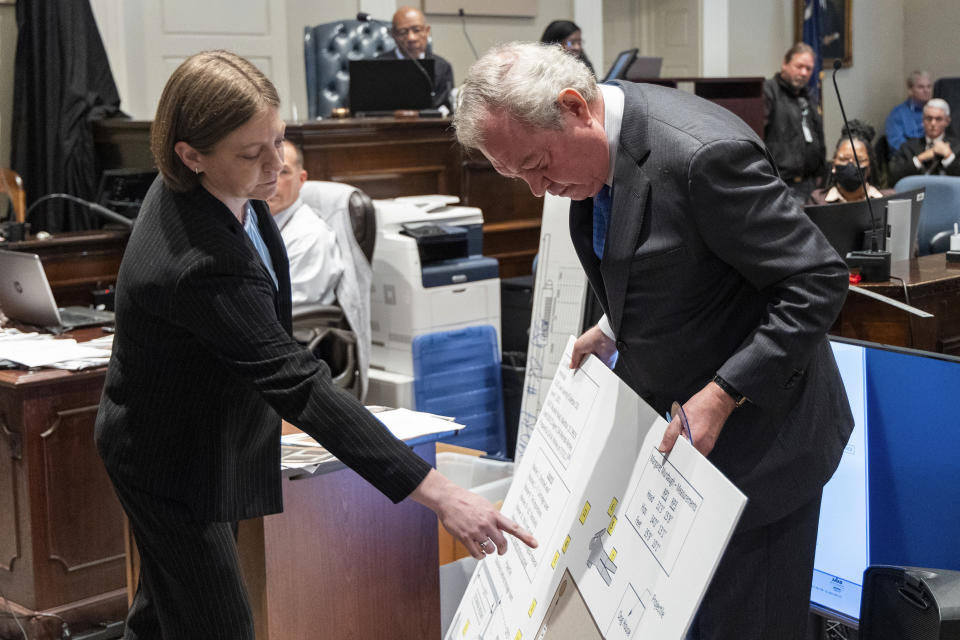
316 265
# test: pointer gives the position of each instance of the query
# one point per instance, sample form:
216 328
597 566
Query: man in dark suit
412 34
932 154
717 291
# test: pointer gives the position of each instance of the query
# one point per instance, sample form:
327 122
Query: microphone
874 264
363 16
463 21
100 210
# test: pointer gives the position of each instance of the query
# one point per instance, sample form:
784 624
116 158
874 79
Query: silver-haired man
717 291
933 153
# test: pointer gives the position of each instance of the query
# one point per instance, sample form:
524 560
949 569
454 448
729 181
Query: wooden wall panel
74 481
10 454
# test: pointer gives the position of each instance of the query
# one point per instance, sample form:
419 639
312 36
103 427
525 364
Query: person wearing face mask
567 34
843 181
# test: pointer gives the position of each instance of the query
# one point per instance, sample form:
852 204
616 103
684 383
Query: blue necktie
601 219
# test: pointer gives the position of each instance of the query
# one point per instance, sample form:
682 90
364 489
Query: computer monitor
383 86
893 497
123 190
848 226
618 70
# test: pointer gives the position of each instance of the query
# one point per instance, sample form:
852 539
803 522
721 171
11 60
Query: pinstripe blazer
203 367
710 267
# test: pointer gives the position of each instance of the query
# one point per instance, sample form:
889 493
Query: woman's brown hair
209 95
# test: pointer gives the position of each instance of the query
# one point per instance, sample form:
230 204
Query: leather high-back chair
12 185
328 49
949 90
340 334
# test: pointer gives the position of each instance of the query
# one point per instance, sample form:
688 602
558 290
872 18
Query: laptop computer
25 296
380 87
645 67
618 70
629 66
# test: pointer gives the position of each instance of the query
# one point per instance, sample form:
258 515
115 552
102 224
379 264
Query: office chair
939 213
12 185
328 49
351 215
949 90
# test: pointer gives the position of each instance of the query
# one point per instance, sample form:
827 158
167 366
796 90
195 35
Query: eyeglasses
573 42
416 30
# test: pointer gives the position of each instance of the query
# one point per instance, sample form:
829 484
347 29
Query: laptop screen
388 85
618 70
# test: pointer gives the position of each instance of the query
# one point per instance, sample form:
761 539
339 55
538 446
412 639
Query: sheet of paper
300 451
39 352
639 534
406 424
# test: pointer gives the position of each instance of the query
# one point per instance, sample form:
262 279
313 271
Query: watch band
738 398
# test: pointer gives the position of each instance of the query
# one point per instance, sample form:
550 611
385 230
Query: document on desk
300 451
38 351
640 534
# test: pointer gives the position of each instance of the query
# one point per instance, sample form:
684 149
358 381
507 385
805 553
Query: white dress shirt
612 119
316 264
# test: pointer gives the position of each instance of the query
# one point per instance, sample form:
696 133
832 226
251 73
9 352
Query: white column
715 30
588 14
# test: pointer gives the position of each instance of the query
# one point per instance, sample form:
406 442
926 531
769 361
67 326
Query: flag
812 35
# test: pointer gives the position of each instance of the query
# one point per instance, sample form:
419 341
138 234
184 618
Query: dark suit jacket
710 267
203 367
442 78
901 164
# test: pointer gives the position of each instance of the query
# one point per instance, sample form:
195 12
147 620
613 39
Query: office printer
429 275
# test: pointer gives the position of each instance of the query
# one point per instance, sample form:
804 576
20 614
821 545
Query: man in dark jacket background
792 127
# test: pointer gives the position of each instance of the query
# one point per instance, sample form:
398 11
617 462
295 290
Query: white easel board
638 534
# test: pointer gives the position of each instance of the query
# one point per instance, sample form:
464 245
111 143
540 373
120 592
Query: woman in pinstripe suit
204 367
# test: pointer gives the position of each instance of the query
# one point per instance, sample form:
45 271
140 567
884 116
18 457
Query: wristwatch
738 398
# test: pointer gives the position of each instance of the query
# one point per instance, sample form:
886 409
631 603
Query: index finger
509 526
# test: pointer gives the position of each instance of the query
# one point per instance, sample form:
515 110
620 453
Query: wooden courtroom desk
77 262
385 157
61 527
341 561
932 286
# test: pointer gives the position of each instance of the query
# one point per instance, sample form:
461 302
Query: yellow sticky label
518 636
613 506
465 627
566 543
533 606
612 525
556 558
613 554
585 512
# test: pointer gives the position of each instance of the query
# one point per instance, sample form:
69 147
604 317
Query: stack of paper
300 451
42 350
